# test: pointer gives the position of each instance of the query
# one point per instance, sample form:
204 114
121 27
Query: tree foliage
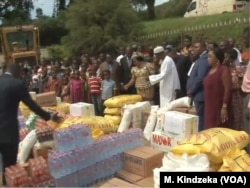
15 11
139 4
39 12
51 29
99 26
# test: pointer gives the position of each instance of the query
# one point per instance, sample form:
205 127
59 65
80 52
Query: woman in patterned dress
140 77
237 102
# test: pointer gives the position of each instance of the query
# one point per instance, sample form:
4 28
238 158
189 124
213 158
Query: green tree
15 12
59 5
39 12
150 7
52 29
99 26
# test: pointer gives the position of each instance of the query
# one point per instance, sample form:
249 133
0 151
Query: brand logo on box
161 140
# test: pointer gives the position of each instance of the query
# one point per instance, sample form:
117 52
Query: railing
195 28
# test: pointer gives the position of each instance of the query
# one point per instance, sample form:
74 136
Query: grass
161 28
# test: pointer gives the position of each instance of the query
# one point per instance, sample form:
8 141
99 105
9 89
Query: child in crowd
54 84
95 91
76 88
65 95
85 76
108 87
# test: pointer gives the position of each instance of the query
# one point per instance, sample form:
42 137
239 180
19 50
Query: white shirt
118 59
239 58
191 68
169 81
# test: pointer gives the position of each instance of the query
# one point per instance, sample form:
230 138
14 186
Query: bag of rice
120 100
236 161
94 122
25 146
126 120
151 122
63 107
180 103
146 108
114 118
112 111
160 117
215 142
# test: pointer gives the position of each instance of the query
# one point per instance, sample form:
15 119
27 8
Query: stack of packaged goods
79 161
113 106
39 172
44 134
16 176
34 121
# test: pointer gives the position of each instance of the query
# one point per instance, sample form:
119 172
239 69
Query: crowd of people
215 75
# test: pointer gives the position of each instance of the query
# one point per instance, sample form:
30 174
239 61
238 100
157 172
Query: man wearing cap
168 77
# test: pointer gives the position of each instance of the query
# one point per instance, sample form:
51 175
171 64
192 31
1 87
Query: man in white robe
168 77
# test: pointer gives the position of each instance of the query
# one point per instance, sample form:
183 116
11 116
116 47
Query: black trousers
9 156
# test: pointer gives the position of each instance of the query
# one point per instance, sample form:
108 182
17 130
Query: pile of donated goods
127 119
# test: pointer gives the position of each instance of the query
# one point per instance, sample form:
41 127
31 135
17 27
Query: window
23 38
191 7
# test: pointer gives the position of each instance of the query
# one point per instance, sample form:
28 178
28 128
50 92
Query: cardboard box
142 160
46 99
164 141
115 182
146 182
181 124
82 109
128 176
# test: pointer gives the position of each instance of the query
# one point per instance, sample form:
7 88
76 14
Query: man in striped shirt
95 91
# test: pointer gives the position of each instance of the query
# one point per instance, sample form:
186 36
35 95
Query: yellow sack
97 133
24 110
112 111
116 119
51 108
63 107
215 142
120 100
236 161
94 122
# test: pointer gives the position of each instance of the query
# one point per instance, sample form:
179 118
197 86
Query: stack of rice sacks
114 106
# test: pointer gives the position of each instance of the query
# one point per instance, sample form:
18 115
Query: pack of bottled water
84 162
72 137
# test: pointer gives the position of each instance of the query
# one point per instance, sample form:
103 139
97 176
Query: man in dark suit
183 64
195 82
123 72
12 91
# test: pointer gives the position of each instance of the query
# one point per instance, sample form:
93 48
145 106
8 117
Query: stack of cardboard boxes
139 164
